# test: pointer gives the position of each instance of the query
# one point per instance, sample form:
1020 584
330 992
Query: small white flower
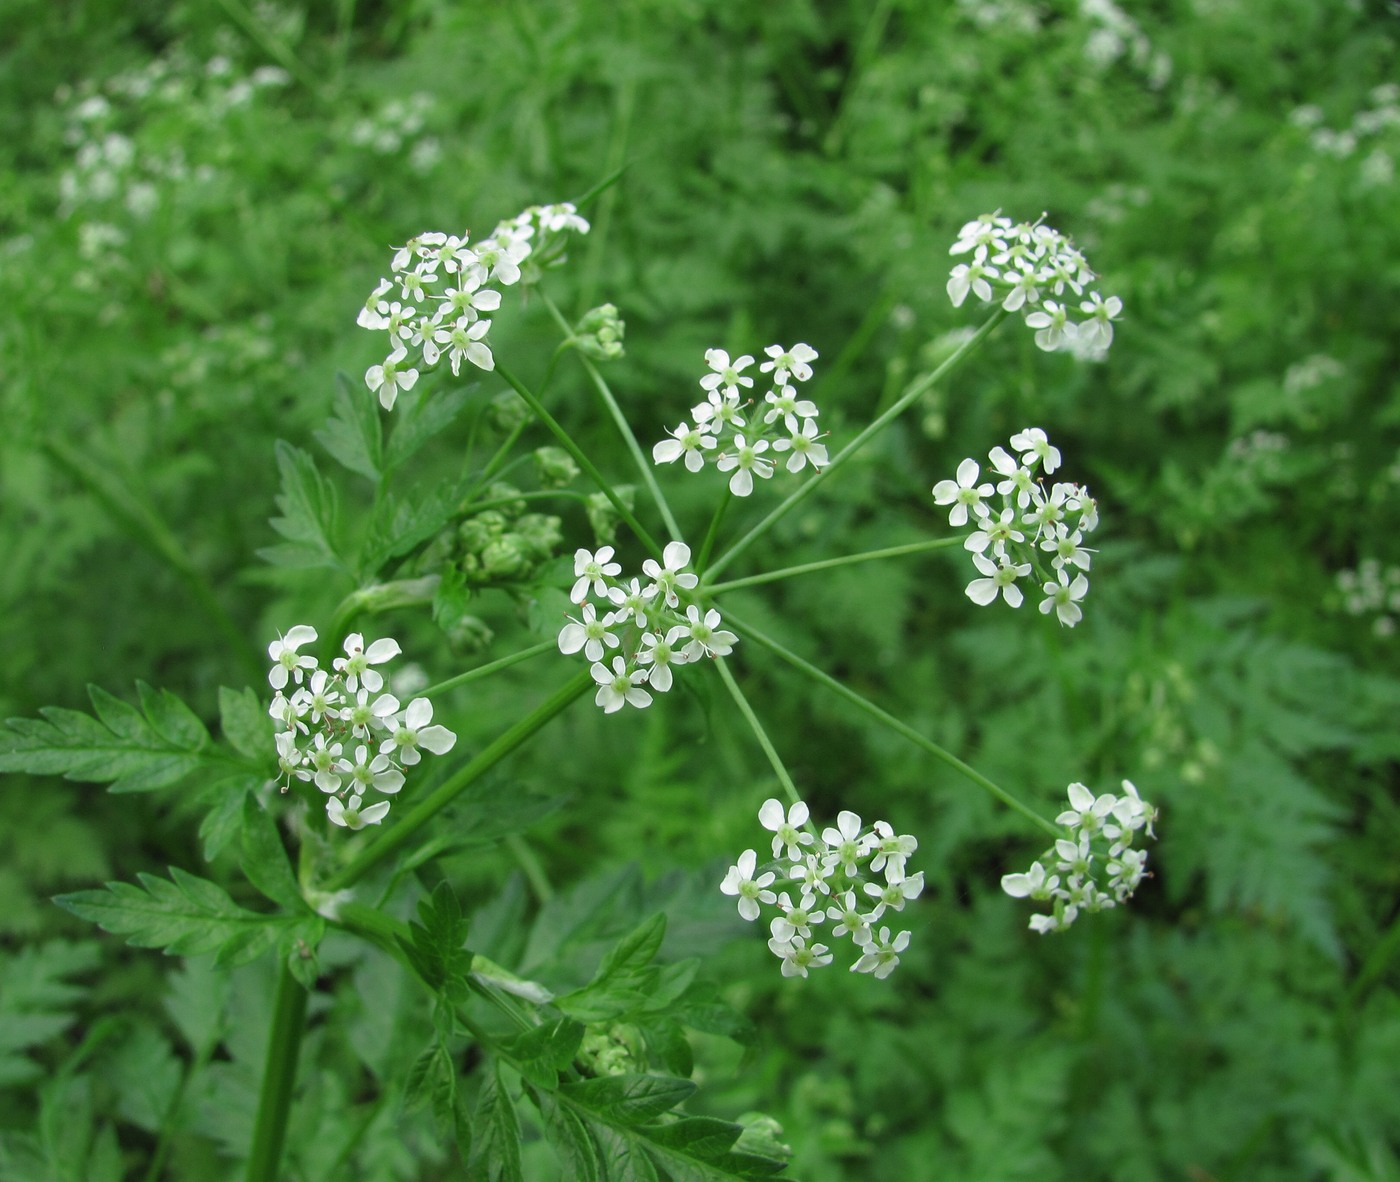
1063 598
784 404
412 730
892 850
751 891
747 462
882 954
895 892
845 844
794 361
668 576
1097 331
619 686
591 634
1035 883
377 773
1000 579
727 376
804 447
787 829
659 653
352 816
355 665
963 494
388 379
362 716
797 957
1055 327
286 660
849 919
1034 445
687 441
707 639
592 571
971 278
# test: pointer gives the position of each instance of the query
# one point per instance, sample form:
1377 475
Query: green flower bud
599 334
508 411
603 517
554 467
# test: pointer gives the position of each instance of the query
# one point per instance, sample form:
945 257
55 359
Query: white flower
727 375
377 773
660 653
812 871
971 278
686 441
286 660
792 361
1097 331
804 447
706 637
1054 325
388 379
796 921
590 634
894 893
787 829
1063 598
963 494
845 844
633 602
362 716
995 535
751 891
324 757
411 730
797 957
1034 884
1019 479
619 686
716 411
355 665
1034 445
882 954
784 404
850 921
668 575
892 850
747 459
352 816
1000 577
593 569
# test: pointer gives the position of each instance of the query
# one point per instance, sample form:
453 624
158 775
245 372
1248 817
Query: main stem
763 741
566 440
448 791
900 728
906 400
279 1075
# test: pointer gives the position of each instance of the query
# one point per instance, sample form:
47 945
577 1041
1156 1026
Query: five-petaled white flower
593 570
787 829
619 686
882 954
286 660
414 729
751 891
355 665
963 494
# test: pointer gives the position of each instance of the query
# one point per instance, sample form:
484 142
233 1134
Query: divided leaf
35 1001
185 916
354 436
495 1153
437 949
137 750
309 510
626 978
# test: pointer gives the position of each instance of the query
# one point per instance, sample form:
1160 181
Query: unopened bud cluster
434 302
1034 533
849 877
639 626
341 732
1095 865
746 439
1019 266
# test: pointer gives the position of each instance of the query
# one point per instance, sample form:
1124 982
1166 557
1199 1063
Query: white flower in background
1033 444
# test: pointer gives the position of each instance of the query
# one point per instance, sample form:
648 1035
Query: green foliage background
795 170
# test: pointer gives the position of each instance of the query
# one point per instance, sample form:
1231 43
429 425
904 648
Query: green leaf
136 750
186 916
569 1134
495 1152
437 947
224 820
145 1073
624 980
399 525
264 858
539 1054
36 1003
354 437
629 1099
309 510
418 416
297 945
245 723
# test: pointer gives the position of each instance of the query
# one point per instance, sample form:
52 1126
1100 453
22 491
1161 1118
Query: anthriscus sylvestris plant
322 783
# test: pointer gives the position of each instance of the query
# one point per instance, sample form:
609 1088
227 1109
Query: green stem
279 1075
531 866
910 396
537 495
763 741
712 533
426 809
493 465
486 670
624 428
900 728
582 460
807 568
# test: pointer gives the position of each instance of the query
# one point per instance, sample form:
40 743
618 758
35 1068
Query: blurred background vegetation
195 201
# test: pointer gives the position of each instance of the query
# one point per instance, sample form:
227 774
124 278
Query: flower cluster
340 731
642 625
849 877
435 301
745 443
1018 266
1371 588
1094 867
1034 530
